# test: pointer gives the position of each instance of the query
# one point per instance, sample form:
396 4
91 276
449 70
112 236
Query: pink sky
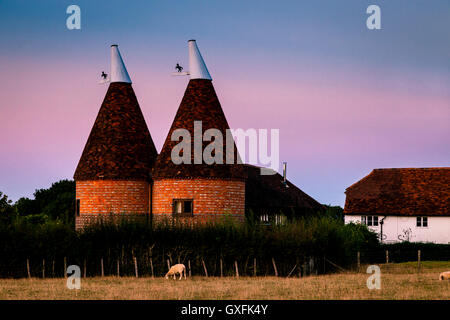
335 126
345 99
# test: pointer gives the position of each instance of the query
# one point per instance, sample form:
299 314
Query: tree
335 212
26 207
7 211
56 203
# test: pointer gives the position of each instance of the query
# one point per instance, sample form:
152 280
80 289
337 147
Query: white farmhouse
402 204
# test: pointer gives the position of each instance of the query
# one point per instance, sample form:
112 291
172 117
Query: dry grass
398 281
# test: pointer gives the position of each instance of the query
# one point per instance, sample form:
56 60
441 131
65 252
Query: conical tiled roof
200 103
119 145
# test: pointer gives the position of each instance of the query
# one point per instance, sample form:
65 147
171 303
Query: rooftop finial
118 71
197 67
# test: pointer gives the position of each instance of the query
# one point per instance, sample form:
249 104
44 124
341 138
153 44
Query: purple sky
345 99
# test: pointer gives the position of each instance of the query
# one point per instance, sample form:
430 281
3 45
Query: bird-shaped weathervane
178 67
104 77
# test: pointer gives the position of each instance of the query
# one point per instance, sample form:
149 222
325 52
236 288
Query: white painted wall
438 230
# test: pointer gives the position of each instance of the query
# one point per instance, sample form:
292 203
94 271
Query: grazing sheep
444 275
178 268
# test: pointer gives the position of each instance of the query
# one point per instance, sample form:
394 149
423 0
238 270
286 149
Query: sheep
178 268
444 275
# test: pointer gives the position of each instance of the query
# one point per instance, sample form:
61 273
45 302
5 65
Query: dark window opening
183 207
422 222
77 207
375 220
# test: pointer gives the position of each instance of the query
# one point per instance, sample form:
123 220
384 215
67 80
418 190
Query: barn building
121 174
402 204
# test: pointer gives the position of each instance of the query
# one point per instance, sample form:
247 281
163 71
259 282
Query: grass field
398 281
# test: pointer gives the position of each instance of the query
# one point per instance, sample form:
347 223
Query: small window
370 220
182 207
375 221
422 222
77 207
279 219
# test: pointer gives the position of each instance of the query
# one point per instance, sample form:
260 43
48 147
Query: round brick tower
198 191
113 174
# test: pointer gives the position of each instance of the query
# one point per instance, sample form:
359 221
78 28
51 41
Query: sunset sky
345 99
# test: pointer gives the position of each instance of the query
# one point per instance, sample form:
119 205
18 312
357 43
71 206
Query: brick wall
212 198
106 198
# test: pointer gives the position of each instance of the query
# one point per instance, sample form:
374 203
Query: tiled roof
401 191
268 193
119 145
200 103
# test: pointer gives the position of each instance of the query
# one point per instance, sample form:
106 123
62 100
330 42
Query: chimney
284 173
118 71
197 67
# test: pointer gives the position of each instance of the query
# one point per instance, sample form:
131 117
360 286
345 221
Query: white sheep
444 275
178 268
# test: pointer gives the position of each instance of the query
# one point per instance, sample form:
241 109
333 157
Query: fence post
387 256
84 268
237 270
189 265
305 272
418 261
151 267
135 266
118 268
53 268
122 257
204 267
254 267
291 271
65 267
275 267
221 268
101 264
28 269
358 263
43 268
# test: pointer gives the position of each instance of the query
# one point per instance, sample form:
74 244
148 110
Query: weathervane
179 71
105 78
